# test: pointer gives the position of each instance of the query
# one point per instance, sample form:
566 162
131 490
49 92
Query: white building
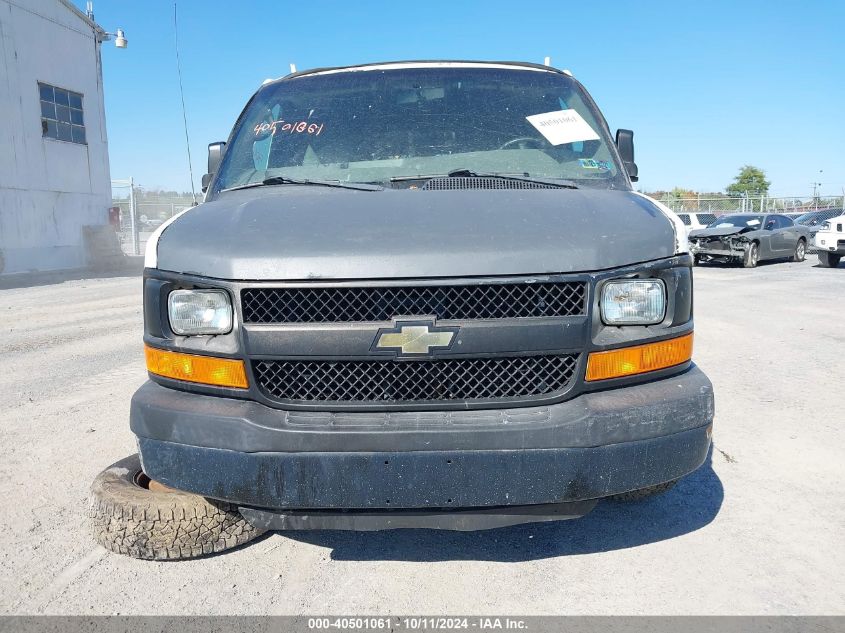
54 160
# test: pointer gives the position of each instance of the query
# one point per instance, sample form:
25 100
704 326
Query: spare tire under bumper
593 446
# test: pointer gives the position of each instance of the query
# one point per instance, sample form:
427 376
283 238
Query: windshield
816 217
378 125
740 221
807 217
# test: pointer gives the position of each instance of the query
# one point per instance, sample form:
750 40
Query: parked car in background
693 221
813 220
149 224
750 238
794 216
830 242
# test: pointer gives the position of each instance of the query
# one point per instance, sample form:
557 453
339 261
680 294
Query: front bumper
591 446
830 243
717 249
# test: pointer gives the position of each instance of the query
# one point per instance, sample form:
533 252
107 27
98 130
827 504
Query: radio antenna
182 95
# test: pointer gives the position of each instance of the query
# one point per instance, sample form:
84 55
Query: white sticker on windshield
562 126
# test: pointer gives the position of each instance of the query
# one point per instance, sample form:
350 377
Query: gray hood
299 232
721 231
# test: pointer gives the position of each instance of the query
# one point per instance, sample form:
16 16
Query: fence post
136 247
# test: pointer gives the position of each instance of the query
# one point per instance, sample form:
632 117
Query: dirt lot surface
757 530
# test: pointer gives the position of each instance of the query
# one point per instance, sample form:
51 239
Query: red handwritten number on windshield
296 127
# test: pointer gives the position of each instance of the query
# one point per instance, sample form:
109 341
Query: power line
182 95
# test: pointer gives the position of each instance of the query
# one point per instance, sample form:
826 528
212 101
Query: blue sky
706 86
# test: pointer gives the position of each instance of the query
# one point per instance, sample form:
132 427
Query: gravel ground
757 530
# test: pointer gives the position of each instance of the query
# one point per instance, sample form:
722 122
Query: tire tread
127 519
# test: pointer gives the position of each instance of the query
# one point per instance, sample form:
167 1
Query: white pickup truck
830 242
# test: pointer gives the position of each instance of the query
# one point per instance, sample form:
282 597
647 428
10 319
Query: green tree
750 181
680 192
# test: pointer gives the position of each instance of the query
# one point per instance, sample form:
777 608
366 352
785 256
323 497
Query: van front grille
382 303
388 381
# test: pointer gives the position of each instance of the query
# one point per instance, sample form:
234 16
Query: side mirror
625 145
215 156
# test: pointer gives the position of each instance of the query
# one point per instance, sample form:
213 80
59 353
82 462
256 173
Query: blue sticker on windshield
589 163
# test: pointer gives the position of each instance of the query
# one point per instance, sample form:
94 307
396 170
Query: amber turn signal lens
639 359
208 370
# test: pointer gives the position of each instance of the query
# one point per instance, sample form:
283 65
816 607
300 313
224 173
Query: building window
61 114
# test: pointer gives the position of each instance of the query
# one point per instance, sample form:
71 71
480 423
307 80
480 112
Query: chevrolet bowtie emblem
414 338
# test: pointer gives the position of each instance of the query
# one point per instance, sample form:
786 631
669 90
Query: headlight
825 226
199 312
633 302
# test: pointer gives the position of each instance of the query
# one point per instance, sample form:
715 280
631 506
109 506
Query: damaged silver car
749 238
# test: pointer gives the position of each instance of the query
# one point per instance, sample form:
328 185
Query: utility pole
133 221
816 188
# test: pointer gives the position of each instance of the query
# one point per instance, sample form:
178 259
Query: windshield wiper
468 173
555 182
285 180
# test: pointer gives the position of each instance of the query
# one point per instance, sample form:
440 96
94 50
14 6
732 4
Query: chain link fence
751 204
139 212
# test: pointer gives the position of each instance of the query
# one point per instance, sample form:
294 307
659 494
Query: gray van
417 294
